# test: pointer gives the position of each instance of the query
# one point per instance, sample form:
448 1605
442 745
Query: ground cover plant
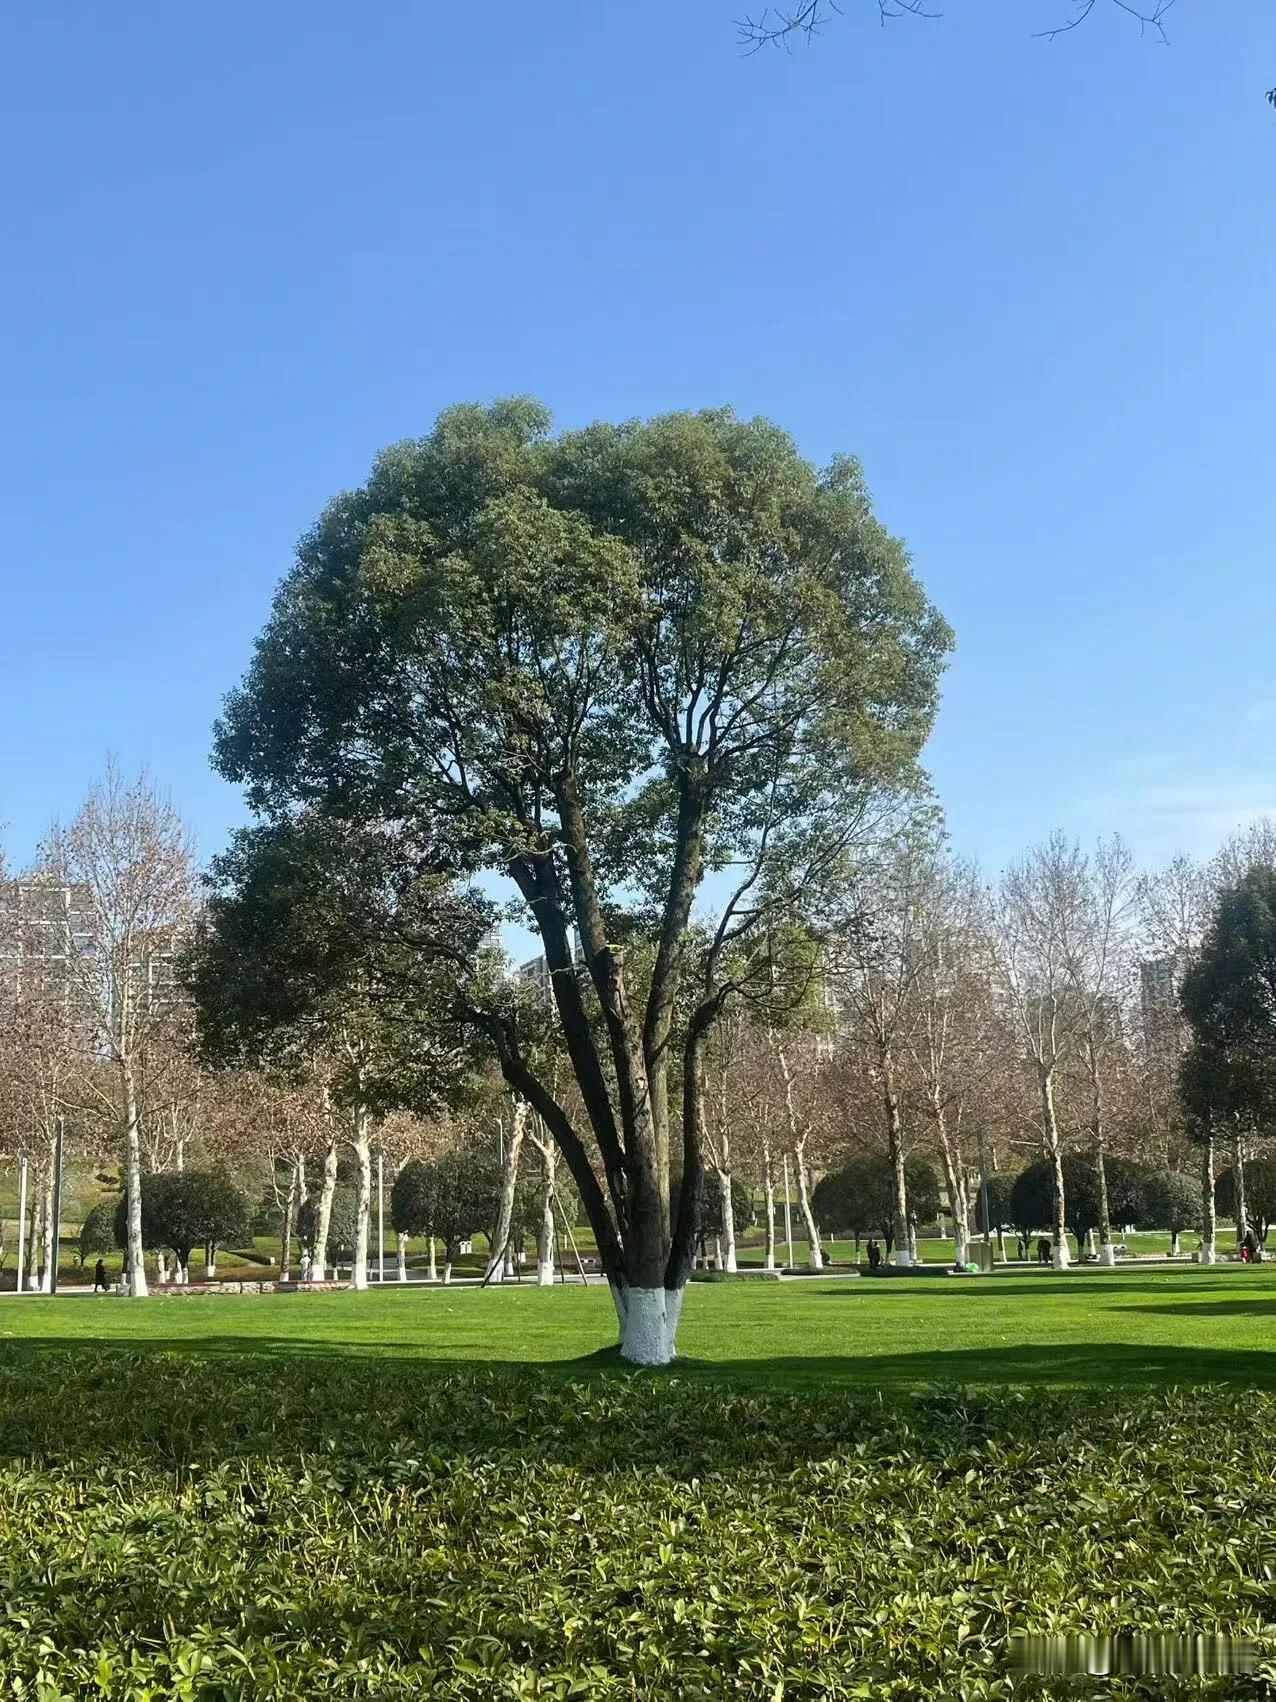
279 1526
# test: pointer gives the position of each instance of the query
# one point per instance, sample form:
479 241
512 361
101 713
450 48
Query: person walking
99 1278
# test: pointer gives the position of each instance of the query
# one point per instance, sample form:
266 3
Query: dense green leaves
238 1531
187 1208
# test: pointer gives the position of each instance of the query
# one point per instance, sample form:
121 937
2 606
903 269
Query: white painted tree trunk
362 1197
545 1239
161 1268
447 1271
895 1147
1061 1258
49 1251
955 1179
648 1323
1238 1181
768 1188
1209 1228
1174 1244
797 1139
134 1257
499 1263
323 1211
210 1262
403 1256
728 1219
432 1270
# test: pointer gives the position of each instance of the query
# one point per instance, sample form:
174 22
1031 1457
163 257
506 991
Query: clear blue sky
1032 286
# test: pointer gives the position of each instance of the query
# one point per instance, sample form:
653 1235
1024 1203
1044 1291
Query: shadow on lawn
188 1406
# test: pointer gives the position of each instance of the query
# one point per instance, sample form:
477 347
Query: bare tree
781 26
126 861
1038 918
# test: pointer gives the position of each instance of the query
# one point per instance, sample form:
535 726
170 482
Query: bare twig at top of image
780 26
1149 18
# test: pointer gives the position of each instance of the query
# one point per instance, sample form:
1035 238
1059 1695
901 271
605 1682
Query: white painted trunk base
545 1273
1107 1254
648 1323
1207 1254
902 1257
1061 1258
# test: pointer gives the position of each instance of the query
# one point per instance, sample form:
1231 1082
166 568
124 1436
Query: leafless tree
126 861
781 26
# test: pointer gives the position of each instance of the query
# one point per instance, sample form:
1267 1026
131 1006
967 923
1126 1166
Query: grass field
843 1489
1128 1327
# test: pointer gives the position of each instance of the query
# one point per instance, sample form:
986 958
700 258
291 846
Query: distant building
1160 979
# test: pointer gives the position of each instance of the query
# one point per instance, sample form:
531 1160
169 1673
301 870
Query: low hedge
735 1276
292 1527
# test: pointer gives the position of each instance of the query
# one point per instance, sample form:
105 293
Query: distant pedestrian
1249 1248
1043 1250
99 1278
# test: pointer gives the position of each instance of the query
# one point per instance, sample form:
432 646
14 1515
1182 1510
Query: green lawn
1128 1327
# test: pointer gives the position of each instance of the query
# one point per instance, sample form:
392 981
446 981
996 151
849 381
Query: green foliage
184 1209
452 1197
97 1232
1032 1194
1000 1210
342 1224
859 1199
1260 1192
1227 998
1168 1199
246 1528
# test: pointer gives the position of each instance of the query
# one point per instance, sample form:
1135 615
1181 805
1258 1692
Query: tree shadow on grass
1239 1308
190 1406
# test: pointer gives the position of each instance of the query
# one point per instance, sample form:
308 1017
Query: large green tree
603 666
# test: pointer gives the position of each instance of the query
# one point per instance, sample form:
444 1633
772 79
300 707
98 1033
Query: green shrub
204 1527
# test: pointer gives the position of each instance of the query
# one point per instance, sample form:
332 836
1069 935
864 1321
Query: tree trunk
955 1178
1174 1243
35 1243
447 1268
1238 1179
1209 1228
895 1146
545 1240
1054 1155
432 1270
768 1188
161 1268
402 1250
210 1262
728 1214
648 1322
49 1251
798 1144
135 1257
362 1197
496 1256
816 1256
290 1218
323 1212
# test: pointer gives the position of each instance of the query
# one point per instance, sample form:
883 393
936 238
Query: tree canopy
600 665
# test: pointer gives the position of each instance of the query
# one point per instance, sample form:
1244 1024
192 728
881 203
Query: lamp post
23 1164
788 1220
59 1128
381 1217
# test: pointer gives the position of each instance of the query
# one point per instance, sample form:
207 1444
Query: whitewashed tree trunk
895 1146
447 1271
545 1240
35 1244
768 1188
955 1180
161 1268
1174 1243
210 1262
1061 1257
797 1140
728 1213
815 1257
1209 1228
49 1251
323 1211
1238 1179
499 1265
648 1322
432 1270
362 1197
135 1257
403 1255
290 1218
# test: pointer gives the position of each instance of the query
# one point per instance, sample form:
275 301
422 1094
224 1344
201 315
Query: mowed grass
1133 1328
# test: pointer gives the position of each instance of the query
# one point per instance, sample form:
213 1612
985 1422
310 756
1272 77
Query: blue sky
1030 285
